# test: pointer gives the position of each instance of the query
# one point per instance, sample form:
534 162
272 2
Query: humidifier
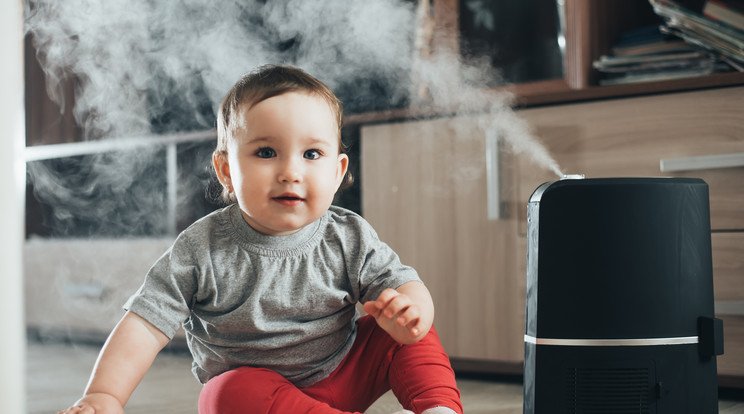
620 314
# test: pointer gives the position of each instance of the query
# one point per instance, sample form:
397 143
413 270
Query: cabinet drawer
629 138
728 268
77 287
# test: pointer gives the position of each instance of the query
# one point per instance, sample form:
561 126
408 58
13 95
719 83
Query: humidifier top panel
621 257
570 181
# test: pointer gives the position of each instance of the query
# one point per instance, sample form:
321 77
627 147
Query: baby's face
284 162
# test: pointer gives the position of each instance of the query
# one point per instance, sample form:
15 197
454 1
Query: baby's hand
396 313
98 403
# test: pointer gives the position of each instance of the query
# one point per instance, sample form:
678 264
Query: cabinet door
424 190
728 284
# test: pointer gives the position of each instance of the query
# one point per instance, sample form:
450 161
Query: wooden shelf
559 92
591 29
535 94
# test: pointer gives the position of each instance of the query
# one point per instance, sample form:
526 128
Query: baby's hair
261 84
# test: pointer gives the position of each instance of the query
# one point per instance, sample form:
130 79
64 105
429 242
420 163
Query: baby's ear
222 167
343 166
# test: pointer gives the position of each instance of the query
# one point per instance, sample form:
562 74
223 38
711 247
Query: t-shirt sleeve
165 297
381 267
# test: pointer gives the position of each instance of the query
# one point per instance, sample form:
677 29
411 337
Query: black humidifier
620 298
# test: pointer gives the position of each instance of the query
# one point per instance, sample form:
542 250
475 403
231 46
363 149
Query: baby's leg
422 379
248 390
419 374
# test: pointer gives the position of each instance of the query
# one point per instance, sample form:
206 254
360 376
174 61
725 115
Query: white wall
12 186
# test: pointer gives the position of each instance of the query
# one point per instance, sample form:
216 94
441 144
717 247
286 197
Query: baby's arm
405 313
122 363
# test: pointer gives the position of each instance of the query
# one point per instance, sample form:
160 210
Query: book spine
729 13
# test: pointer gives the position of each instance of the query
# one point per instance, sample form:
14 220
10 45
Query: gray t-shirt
286 303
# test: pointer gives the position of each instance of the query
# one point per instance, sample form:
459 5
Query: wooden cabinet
425 186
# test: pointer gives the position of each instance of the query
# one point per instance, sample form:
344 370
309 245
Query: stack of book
647 54
707 30
687 44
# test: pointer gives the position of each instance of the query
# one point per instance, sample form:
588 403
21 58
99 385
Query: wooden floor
57 374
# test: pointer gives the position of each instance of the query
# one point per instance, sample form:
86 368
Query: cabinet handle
703 162
493 190
730 307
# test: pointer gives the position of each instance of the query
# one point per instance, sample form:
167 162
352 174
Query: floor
57 374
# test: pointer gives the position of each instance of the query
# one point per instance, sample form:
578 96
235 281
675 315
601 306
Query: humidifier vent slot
614 390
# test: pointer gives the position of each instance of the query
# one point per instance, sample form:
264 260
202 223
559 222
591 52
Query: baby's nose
291 171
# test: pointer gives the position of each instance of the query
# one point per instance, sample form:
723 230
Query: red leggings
419 375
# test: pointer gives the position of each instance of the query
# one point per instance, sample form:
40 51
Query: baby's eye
265 152
312 154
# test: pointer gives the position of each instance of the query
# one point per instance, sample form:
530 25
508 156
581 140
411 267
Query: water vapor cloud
150 67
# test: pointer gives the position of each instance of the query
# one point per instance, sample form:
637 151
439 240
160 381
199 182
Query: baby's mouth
289 199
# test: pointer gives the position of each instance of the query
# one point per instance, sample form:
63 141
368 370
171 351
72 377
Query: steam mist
131 56
145 67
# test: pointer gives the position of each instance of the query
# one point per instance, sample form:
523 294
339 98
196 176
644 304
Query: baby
266 288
